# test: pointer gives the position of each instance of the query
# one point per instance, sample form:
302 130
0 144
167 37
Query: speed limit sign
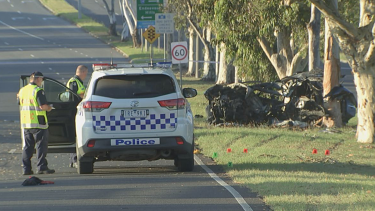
179 52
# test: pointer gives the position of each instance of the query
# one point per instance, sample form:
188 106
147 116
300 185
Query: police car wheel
176 162
185 164
85 167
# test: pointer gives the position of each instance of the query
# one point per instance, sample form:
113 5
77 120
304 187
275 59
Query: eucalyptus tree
357 43
112 17
193 11
252 29
128 10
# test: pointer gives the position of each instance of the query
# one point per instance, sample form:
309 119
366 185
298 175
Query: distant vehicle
127 114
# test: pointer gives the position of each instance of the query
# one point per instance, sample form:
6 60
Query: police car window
53 91
136 86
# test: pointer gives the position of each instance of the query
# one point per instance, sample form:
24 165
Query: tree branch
333 16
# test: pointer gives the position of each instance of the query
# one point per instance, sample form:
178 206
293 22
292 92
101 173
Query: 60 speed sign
179 52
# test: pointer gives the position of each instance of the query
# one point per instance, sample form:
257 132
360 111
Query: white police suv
128 114
134 113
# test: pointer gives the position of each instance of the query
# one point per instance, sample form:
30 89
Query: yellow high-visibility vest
81 87
30 109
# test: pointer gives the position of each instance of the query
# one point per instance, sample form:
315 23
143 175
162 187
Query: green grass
279 164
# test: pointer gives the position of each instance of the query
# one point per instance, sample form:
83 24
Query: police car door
61 119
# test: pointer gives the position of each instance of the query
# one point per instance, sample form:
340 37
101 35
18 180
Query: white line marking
18 18
50 68
12 5
58 73
12 151
6 43
231 190
31 55
31 35
20 49
19 12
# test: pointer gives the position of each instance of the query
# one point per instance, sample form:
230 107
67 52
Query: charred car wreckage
294 100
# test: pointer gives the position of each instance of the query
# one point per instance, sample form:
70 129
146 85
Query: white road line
6 43
12 151
58 73
31 55
20 49
19 12
31 35
231 190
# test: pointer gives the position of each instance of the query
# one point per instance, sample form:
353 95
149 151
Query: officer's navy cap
37 74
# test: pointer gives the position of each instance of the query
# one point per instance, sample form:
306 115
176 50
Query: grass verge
279 163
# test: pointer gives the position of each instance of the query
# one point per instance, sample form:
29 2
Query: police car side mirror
189 92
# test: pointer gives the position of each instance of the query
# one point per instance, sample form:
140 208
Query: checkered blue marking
120 123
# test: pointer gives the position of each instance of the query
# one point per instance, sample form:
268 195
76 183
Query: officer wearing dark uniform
35 124
76 84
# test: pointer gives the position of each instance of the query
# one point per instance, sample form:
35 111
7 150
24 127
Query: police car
134 113
128 113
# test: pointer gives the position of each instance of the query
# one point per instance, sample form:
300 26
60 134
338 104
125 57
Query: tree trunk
112 18
314 38
209 57
112 27
127 11
168 46
136 38
191 68
226 70
222 78
331 77
217 62
364 81
358 46
208 70
284 60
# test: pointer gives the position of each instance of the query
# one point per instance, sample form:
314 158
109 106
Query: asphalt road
32 39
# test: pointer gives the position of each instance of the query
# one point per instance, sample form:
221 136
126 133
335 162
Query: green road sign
146 10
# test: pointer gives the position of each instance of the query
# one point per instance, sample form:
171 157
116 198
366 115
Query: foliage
240 23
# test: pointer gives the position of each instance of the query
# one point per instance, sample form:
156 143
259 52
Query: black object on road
35 181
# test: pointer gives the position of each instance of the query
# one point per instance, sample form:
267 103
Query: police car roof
133 71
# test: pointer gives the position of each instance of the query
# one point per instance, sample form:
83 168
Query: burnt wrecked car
297 98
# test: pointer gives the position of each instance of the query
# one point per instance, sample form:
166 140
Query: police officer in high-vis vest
34 122
76 84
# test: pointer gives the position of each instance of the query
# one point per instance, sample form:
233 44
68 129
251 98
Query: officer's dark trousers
38 137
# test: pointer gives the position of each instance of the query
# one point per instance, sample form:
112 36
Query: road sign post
179 55
150 36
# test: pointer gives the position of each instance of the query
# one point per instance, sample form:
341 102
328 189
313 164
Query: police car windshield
134 86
